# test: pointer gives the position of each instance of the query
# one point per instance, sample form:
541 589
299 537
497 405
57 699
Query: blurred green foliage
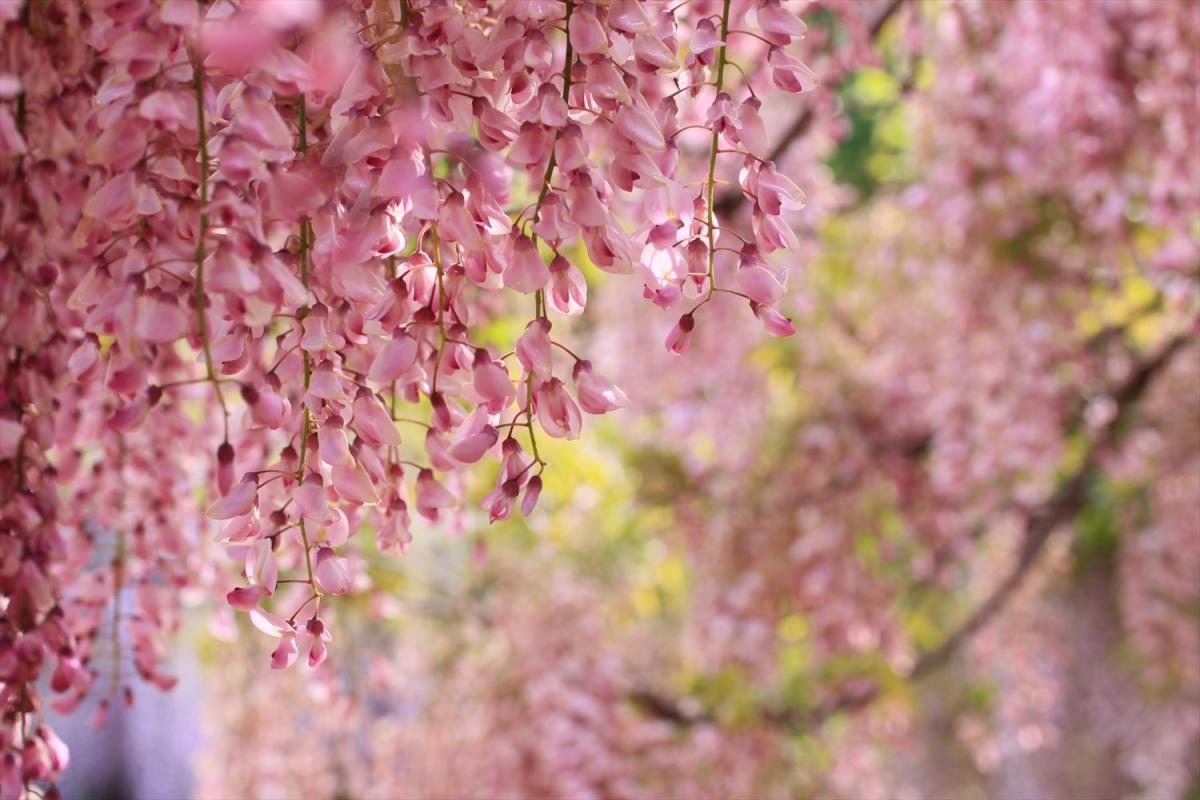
876 151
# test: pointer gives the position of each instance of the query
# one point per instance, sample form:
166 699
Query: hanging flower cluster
257 242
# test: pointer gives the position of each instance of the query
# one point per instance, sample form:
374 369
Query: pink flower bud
245 598
681 334
758 282
533 490
639 126
533 349
443 420
372 422
491 381
499 501
588 36
310 497
586 208
352 483
395 359
472 447
225 467
431 495
526 272
325 384
237 502
775 323
697 259
779 24
129 416
556 411
261 567
286 653
568 289
597 395
438 450
776 192
331 572
316 652
56 749
555 223
267 409
705 37
332 443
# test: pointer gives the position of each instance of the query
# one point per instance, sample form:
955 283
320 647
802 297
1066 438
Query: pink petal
353 484
331 572
286 653
372 421
246 598
270 624
640 127
597 395
526 271
533 349
395 359
237 502
472 448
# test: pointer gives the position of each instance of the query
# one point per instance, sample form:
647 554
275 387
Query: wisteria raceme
258 242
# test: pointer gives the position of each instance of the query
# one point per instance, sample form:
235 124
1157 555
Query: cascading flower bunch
259 242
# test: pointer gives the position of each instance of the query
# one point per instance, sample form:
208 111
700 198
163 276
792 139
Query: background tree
297 291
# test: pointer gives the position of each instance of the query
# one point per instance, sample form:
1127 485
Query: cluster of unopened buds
277 231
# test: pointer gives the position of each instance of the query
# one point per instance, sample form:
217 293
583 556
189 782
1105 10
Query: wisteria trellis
247 240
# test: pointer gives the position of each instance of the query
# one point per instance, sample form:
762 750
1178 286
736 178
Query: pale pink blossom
499 502
681 334
372 421
526 272
534 350
774 322
239 501
790 74
556 411
492 382
352 483
310 497
432 496
246 598
394 359
597 395
568 288
331 572
533 490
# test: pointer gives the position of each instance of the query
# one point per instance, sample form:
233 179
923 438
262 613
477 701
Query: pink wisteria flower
264 239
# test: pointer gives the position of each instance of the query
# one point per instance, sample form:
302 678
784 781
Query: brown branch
883 16
730 201
1040 523
1061 507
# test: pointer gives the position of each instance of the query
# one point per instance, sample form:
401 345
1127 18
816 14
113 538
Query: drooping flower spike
260 240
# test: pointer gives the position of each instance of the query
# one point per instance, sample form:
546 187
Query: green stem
566 94
719 83
539 298
529 419
201 254
305 242
441 301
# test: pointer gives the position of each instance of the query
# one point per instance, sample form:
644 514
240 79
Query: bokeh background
942 543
